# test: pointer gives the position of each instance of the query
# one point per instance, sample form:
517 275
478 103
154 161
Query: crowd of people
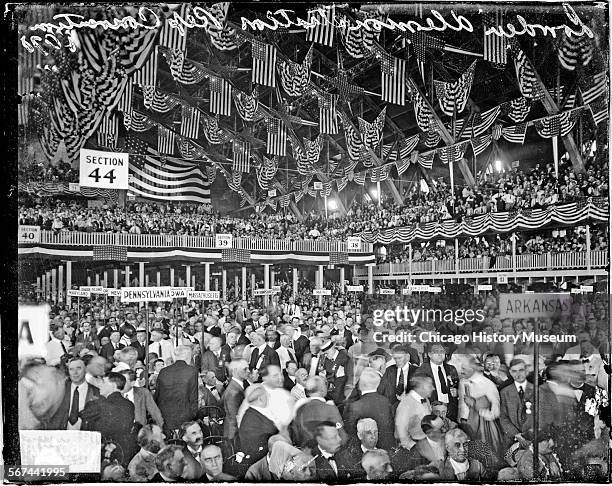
507 191
298 391
546 241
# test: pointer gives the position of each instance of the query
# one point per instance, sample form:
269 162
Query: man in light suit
55 346
512 403
292 308
411 410
233 396
144 405
78 393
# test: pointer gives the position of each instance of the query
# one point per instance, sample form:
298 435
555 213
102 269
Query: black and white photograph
307 242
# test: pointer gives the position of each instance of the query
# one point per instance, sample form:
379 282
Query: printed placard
114 292
484 287
223 240
419 288
84 294
523 306
386 291
180 292
318 186
103 170
74 187
146 294
502 279
276 288
353 243
33 330
28 234
93 290
321 292
354 288
203 295
586 288
434 290
260 292
272 193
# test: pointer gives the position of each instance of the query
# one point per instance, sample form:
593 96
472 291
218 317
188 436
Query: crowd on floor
298 391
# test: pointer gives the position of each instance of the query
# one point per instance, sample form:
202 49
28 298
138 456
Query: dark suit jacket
113 417
232 399
376 407
91 339
336 383
209 399
59 421
511 409
242 339
145 405
260 471
313 410
350 457
141 351
451 372
107 351
210 362
300 346
270 358
307 358
176 393
254 431
287 383
387 383
474 473
324 471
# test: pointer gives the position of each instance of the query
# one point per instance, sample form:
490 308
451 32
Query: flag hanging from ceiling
599 113
125 101
108 131
380 174
597 89
156 100
478 123
574 50
277 137
371 133
165 140
515 134
321 25
341 183
147 74
137 149
423 113
453 96
328 120
295 77
242 156
526 74
220 96
354 143
557 125
495 46
211 173
480 144
247 105
264 63
171 36
421 43
557 94
453 153
393 79
190 121
517 109
426 160
358 41
213 133
405 147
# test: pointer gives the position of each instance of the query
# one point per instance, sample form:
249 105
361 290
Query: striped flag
328 120
480 144
125 101
242 156
172 37
165 140
515 134
453 96
575 50
322 21
393 79
190 121
371 133
421 43
110 253
235 255
338 258
495 46
171 180
600 114
264 63
108 131
147 74
220 96
526 75
137 149
518 109
598 88
277 137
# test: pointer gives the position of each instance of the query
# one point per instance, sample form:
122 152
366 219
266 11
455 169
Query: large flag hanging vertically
242 156
220 96
322 25
393 79
495 46
170 35
147 74
190 121
277 137
264 63
328 119
165 140
453 96
526 74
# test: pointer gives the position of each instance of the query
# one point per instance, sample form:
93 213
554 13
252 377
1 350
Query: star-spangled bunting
108 131
421 43
295 77
213 133
526 74
453 96
393 79
557 125
246 105
574 51
264 63
597 89
423 114
480 144
158 101
137 149
453 153
380 174
600 113
371 133
517 109
358 41
515 134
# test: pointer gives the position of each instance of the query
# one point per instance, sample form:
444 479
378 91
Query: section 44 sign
103 170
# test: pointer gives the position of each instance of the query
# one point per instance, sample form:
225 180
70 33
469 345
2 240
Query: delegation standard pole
147 345
536 398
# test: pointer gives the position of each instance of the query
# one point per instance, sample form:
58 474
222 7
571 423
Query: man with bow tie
314 359
411 410
191 434
329 467
215 360
334 366
396 378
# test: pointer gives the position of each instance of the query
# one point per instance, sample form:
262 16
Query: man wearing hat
329 466
334 366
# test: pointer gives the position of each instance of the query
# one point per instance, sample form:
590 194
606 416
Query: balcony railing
502 264
74 238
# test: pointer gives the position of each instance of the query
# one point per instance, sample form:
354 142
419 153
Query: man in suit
367 435
162 347
432 450
445 379
214 359
260 470
457 466
371 405
233 396
112 415
411 410
513 412
314 359
263 353
56 347
300 341
335 371
395 380
176 391
78 393
256 426
212 465
312 409
191 434
108 350
292 309
141 343
377 465
209 395
142 466
329 467
144 405
86 337
289 380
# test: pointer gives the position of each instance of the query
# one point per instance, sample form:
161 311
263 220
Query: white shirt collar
321 399
262 347
365 449
238 381
524 385
459 467
368 391
415 395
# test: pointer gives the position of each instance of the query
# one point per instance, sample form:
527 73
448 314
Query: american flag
172 37
264 63
220 96
515 134
190 123
393 79
600 113
495 46
426 160
517 109
453 153
453 96
549 127
147 74
371 133
526 75
480 144
575 50
108 131
165 140
322 20
235 255
137 149
110 253
338 258
599 88
125 101
421 43
328 120
277 137
242 156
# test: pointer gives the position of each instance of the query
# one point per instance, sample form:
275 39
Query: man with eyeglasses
211 459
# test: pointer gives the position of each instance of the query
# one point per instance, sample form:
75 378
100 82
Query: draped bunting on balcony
567 214
295 77
212 132
453 96
63 188
137 122
557 125
182 69
247 105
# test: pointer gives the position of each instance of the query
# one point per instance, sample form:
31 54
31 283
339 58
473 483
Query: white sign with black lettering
321 292
419 288
104 170
93 290
146 294
180 292
484 288
276 288
502 279
114 292
33 330
435 290
260 292
386 291
74 187
353 243
84 294
318 186
223 241
28 234
586 288
354 288
203 295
